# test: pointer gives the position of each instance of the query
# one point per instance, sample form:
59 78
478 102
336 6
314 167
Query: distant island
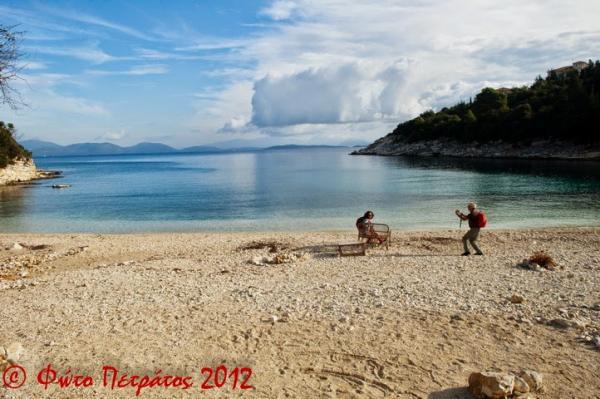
17 164
41 148
556 117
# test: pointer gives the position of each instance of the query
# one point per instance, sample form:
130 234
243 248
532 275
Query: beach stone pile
528 264
28 257
279 259
496 385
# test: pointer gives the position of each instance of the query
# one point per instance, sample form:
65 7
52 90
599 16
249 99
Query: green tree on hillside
559 107
10 150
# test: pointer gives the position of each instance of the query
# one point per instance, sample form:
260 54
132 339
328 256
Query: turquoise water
300 189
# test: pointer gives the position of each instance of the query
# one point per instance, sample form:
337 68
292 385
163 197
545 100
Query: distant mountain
149 148
91 149
41 148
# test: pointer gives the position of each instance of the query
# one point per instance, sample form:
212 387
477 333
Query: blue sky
275 71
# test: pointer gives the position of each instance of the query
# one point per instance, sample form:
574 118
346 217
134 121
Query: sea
300 189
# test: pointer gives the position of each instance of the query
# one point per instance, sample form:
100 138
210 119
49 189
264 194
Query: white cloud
318 69
150 54
235 125
214 44
353 92
338 64
70 105
90 53
94 20
222 111
43 97
33 65
280 10
137 70
112 135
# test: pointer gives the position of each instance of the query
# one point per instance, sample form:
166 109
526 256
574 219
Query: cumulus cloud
313 69
235 124
354 63
354 92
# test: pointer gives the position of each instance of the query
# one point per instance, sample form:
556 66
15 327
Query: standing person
477 220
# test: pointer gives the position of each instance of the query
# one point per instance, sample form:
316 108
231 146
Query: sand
412 321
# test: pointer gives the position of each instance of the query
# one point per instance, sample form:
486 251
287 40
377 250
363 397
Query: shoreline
539 150
349 232
23 172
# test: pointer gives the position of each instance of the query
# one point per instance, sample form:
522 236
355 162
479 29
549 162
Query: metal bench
372 231
359 249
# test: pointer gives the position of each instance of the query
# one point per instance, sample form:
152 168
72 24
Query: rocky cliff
449 148
19 171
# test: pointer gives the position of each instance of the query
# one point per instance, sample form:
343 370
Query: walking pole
459 223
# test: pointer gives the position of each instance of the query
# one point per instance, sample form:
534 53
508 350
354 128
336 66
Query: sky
271 72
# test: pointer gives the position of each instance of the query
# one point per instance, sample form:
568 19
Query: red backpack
481 220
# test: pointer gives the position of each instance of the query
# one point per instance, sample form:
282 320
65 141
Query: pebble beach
411 321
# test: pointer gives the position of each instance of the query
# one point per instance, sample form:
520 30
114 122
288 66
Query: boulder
491 385
533 379
535 267
14 352
259 260
560 323
16 247
516 298
4 364
521 386
10 355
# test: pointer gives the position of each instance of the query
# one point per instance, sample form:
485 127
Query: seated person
364 224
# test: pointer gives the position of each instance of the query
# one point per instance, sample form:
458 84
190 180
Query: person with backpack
477 220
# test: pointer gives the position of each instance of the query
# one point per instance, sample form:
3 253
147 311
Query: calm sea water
307 189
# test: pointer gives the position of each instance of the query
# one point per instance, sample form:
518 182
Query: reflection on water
12 200
299 190
541 167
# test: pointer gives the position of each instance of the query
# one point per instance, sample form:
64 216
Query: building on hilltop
562 71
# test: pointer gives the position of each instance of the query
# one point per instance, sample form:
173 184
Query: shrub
542 259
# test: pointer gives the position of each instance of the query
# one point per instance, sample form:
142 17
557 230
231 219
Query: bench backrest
366 229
